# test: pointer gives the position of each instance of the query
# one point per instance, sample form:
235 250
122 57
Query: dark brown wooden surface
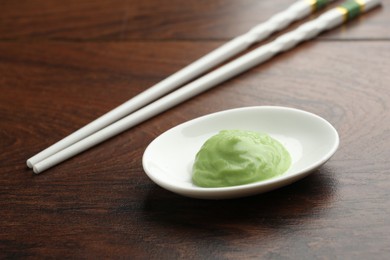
64 63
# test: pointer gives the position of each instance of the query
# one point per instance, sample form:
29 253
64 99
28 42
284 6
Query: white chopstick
298 10
328 20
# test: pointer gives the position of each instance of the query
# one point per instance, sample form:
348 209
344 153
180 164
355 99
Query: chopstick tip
29 164
36 170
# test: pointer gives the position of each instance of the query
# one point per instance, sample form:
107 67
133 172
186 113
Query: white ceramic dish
310 139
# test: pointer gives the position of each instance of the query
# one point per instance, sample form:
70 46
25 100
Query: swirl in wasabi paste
236 157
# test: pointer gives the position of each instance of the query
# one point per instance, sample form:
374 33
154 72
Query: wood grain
63 65
113 20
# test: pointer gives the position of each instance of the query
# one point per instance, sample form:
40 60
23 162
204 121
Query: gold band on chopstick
312 4
344 12
317 4
351 9
361 4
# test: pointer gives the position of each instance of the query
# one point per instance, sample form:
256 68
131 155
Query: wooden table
64 63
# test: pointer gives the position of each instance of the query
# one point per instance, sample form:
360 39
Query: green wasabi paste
236 157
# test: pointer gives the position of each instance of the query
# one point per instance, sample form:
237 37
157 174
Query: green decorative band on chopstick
351 9
317 4
321 4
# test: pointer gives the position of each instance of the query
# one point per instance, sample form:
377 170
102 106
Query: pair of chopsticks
142 107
